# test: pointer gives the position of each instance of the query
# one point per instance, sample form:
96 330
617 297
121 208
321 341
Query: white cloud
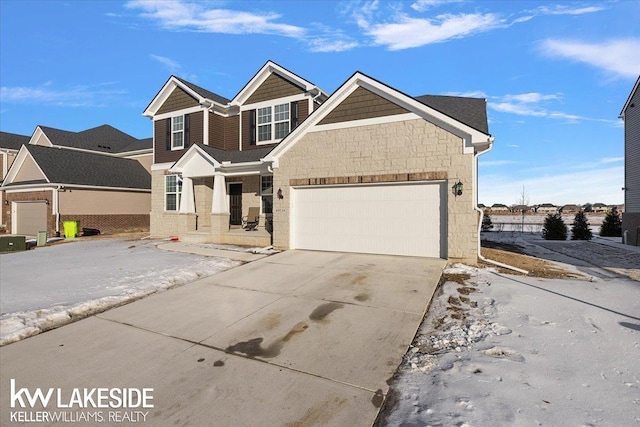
612 159
513 146
532 97
422 5
193 16
322 44
470 94
617 56
77 96
171 65
407 32
567 10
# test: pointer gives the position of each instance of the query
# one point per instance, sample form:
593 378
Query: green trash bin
70 229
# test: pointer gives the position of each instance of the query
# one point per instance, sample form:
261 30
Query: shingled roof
244 156
12 141
470 111
105 139
82 168
204 92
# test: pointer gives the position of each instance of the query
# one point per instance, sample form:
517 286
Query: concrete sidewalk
298 338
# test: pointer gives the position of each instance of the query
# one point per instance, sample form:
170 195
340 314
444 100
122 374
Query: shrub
554 228
580 228
612 224
487 225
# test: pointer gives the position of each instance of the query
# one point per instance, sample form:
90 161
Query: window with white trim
177 132
266 193
272 123
172 192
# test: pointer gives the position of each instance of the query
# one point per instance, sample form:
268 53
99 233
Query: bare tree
522 201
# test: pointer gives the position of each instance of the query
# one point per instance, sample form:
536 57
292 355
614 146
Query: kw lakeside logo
80 404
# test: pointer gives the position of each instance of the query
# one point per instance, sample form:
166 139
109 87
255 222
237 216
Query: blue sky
555 74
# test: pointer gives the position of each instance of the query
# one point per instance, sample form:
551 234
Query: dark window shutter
168 141
186 130
252 127
293 114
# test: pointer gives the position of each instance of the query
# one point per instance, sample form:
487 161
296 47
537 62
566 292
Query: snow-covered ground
499 350
47 287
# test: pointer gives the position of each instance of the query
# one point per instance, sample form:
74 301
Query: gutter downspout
475 206
56 208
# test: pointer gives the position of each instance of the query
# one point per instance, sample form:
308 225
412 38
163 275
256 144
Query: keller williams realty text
119 401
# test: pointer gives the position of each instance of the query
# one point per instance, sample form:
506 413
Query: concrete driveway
299 338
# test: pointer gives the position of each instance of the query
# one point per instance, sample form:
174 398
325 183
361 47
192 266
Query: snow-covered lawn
498 349
47 287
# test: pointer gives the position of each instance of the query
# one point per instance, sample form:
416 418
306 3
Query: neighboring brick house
370 169
500 208
631 216
10 144
99 177
547 208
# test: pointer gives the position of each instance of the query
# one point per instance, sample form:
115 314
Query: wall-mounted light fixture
46 201
457 189
6 202
279 193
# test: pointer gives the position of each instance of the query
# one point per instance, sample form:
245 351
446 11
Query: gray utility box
12 243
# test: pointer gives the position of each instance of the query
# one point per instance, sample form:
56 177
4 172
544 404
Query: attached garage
29 217
397 219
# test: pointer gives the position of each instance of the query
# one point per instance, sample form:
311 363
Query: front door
235 203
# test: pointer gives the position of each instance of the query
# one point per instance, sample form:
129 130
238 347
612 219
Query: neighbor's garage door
29 217
398 219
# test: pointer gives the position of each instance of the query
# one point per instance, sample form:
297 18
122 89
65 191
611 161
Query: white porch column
219 204
187 200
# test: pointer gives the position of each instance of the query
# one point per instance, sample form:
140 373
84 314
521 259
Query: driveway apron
295 339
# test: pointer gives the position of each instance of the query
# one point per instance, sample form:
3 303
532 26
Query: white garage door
398 219
29 218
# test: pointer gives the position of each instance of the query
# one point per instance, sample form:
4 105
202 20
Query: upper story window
177 133
172 192
272 123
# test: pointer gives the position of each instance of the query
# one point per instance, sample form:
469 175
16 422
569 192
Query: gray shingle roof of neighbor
105 138
470 111
236 156
13 141
204 92
81 168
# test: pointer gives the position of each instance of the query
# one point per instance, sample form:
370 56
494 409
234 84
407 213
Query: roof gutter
475 206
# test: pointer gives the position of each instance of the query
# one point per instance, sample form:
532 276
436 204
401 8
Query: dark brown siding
216 130
196 132
178 100
246 130
272 88
303 110
362 104
196 128
232 133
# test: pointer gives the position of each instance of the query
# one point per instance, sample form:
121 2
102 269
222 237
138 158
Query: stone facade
389 150
631 224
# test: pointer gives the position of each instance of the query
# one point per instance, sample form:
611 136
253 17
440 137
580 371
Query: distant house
500 208
631 217
599 208
547 208
99 177
570 209
10 144
520 209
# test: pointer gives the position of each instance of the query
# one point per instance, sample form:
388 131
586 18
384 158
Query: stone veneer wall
404 147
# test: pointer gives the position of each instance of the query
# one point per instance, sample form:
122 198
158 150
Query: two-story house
10 144
367 169
99 177
631 216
